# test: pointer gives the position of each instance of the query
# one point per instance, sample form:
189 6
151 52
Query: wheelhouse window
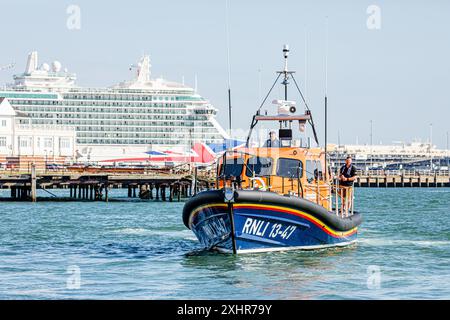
232 168
260 166
318 173
310 169
314 170
289 168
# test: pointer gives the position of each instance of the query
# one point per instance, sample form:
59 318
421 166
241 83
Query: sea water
142 250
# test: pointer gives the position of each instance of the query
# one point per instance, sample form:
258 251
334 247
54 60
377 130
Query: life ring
261 181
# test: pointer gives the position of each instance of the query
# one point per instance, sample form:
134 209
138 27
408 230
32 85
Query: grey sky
398 76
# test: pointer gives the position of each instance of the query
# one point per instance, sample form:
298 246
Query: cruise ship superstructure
127 120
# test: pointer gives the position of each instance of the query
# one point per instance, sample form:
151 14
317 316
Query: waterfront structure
95 185
414 155
127 120
22 142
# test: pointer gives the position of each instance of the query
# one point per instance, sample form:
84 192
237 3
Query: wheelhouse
287 171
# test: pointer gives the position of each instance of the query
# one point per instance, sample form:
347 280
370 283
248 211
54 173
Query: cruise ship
128 120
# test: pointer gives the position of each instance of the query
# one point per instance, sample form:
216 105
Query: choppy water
142 250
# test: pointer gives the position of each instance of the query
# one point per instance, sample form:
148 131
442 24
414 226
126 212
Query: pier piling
106 193
33 182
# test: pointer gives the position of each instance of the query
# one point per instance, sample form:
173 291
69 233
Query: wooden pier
96 186
403 180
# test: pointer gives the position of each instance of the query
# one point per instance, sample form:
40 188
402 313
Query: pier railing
403 178
404 172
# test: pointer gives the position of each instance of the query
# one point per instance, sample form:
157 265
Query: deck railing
344 200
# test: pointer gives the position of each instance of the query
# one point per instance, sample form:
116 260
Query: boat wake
182 234
136 231
403 242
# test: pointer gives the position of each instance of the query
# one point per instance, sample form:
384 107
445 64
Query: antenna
285 71
371 143
306 63
228 65
431 146
326 56
259 84
326 101
285 82
448 158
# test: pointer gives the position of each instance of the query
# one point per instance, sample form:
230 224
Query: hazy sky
397 75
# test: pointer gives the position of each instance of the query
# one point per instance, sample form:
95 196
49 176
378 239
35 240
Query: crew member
347 175
272 142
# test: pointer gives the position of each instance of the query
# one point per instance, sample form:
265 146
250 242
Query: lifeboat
279 196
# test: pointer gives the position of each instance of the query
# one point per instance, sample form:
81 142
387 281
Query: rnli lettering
255 227
259 227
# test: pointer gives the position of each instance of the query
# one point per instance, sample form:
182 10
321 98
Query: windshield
289 168
259 166
310 169
313 170
232 168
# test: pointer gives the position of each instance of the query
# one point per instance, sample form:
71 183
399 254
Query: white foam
192 238
185 234
400 242
139 231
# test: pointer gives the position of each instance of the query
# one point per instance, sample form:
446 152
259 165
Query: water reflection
276 275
